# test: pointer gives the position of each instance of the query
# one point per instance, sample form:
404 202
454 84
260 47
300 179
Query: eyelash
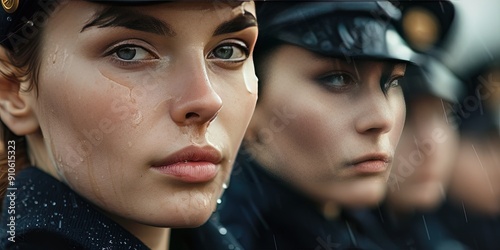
233 42
123 63
386 88
324 81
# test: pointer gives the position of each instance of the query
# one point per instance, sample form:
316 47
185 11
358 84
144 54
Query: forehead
223 9
81 15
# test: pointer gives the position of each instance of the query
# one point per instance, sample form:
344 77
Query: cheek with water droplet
249 77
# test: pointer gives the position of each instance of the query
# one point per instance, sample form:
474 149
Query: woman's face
142 109
425 156
326 126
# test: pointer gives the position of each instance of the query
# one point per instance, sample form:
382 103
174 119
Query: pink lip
191 164
371 163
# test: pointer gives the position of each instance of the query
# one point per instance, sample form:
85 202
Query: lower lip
191 171
370 167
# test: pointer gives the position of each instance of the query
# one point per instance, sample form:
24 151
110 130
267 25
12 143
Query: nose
198 103
376 115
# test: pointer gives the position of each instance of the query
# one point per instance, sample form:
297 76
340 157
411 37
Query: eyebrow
130 19
236 24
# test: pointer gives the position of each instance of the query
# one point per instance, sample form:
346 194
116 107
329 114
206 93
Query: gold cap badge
10 5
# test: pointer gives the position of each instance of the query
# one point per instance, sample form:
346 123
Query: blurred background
455 93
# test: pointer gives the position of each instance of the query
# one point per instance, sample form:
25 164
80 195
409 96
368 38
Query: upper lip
192 154
372 157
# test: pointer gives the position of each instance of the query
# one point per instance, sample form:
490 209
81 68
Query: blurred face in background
476 180
327 126
425 156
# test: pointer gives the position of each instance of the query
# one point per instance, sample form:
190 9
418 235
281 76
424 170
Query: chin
186 219
365 194
193 210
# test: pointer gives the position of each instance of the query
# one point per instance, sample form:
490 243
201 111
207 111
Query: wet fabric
416 231
211 235
477 231
49 215
264 213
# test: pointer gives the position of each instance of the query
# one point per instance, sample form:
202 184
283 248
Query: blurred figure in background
473 213
424 160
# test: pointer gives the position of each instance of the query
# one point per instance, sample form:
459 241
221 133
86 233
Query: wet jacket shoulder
475 230
49 215
416 231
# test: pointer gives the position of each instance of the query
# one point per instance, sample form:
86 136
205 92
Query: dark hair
27 60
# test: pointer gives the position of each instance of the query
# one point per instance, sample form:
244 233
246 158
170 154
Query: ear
15 104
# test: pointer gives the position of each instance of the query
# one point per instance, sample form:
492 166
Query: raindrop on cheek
249 78
137 119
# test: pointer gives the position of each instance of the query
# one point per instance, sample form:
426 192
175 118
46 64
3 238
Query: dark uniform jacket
49 215
477 231
414 232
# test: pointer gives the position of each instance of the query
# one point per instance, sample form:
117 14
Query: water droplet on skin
137 119
250 79
219 201
224 186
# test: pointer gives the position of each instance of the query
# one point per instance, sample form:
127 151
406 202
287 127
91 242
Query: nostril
192 115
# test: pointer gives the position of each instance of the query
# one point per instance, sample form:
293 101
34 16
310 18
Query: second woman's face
327 126
143 109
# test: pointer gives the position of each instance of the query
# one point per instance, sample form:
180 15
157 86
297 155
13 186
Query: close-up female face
425 156
328 126
142 109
